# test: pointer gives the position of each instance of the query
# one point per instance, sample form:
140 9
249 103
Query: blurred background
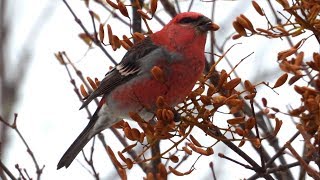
36 86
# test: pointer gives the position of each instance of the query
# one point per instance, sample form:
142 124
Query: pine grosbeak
178 49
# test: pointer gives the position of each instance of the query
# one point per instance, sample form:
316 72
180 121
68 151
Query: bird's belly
140 95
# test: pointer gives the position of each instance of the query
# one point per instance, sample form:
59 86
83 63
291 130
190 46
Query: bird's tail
75 147
80 142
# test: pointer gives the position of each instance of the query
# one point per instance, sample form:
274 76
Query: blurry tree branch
12 77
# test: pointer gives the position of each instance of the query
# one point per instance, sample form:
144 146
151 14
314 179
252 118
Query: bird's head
185 30
192 20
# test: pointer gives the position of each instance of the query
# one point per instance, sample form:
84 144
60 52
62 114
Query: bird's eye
187 20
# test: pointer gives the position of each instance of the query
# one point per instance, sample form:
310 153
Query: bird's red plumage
178 49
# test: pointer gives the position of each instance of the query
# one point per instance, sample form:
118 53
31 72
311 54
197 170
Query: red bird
178 49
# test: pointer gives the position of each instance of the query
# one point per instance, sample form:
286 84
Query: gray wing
128 68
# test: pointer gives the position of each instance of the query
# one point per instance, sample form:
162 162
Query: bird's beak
205 24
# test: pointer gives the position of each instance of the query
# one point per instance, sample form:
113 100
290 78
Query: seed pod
163 115
205 100
281 80
143 14
251 122
233 96
113 157
129 163
206 114
96 80
169 115
265 31
248 86
86 2
223 78
121 156
232 84
256 142
84 93
275 109
250 96
123 9
201 151
248 22
135 133
282 30
194 141
211 90
284 3
86 38
59 57
239 131
198 91
217 100
192 146
209 151
125 45
159 114
110 34
128 148
299 58
174 158
141 138
92 83
296 112
297 32
239 28
127 40
271 116
187 150
138 36
235 109
95 15
158 74
122 173
286 53
234 102
236 36
175 172
128 133
257 8
116 42
241 143
112 4
160 102
237 120
277 127
153 6
264 102
295 78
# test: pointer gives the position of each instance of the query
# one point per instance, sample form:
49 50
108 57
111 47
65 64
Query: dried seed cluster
303 15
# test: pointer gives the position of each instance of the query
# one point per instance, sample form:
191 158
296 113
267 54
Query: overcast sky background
48 108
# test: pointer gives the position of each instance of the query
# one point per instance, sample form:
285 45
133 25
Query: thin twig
96 41
235 161
6 170
169 8
15 127
263 168
190 5
211 165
